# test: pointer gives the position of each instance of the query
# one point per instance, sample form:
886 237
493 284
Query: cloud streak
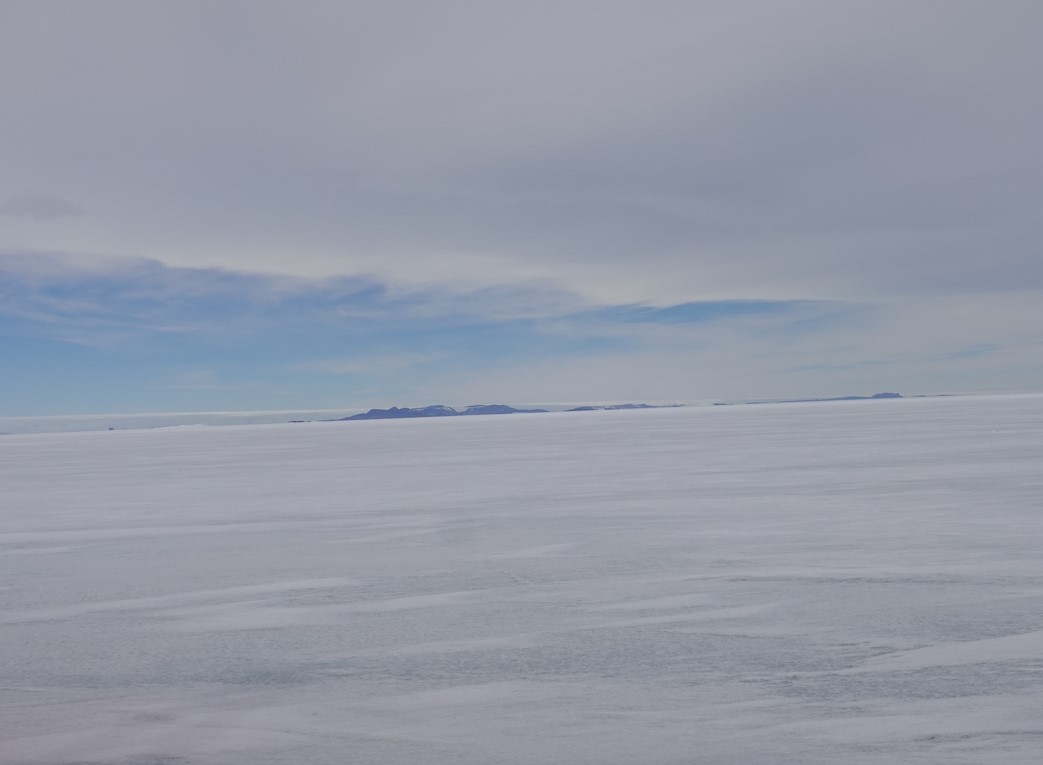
39 207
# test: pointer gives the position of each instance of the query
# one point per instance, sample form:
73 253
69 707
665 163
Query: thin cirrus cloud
39 207
56 293
532 185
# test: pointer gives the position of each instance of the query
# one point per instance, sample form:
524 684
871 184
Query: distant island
864 398
398 413
438 410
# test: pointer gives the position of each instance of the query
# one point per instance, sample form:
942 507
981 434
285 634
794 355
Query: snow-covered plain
851 582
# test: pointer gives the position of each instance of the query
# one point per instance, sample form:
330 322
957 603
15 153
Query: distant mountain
497 409
398 413
847 398
395 413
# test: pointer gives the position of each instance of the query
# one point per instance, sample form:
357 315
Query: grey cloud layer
665 152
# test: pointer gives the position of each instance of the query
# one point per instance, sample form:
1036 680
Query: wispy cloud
374 364
39 207
196 380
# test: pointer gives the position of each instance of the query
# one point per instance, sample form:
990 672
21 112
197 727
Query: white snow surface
845 582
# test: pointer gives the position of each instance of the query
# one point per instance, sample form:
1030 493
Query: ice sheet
849 582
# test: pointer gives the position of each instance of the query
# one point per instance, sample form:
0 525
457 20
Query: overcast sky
246 205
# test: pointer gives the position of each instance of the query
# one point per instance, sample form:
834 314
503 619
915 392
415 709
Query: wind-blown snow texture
857 582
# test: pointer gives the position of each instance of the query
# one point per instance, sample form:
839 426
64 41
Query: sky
242 205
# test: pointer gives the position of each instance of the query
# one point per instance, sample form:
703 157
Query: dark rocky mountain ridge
437 410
